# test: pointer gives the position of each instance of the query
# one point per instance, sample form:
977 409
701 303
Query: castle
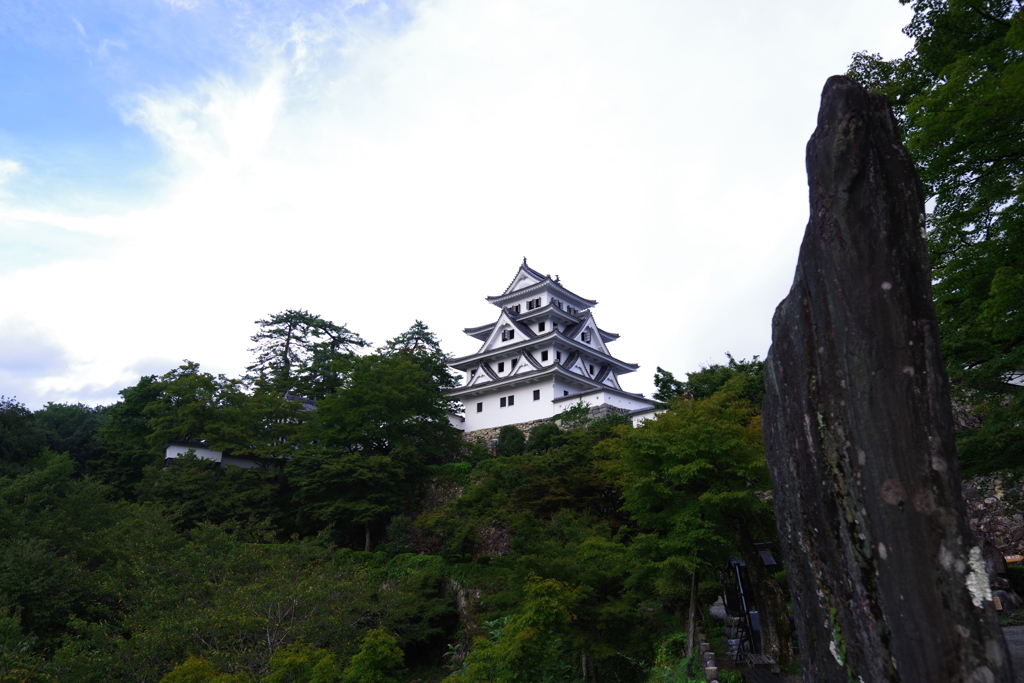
544 354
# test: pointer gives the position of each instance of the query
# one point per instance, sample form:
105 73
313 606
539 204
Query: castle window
558 356
591 369
514 309
511 400
508 334
540 327
565 393
479 407
532 304
514 361
504 401
586 336
536 394
543 355
501 367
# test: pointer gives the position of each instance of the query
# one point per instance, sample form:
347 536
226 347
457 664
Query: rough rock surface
486 435
887 582
995 507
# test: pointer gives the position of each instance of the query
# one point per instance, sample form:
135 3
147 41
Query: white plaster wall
640 418
175 451
523 410
597 398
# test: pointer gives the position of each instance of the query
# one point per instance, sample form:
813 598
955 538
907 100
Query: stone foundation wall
492 433
995 507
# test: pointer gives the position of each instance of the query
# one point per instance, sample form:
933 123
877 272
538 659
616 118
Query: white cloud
183 4
8 169
653 158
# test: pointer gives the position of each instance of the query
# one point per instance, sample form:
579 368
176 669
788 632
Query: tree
511 441
20 439
379 660
690 480
423 346
299 351
71 428
668 386
959 96
369 441
189 405
711 377
125 450
528 645
543 437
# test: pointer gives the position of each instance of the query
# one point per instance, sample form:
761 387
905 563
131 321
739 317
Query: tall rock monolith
887 581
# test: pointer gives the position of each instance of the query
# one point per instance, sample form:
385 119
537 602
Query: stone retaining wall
492 433
995 507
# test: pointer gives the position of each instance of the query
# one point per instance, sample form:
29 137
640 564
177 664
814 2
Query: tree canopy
299 351
704 382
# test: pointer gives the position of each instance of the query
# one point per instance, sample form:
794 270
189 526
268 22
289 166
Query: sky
172 171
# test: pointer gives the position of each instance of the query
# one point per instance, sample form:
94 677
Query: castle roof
528 281
587 384
468 362
572 321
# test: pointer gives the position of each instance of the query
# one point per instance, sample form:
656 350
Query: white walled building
544 353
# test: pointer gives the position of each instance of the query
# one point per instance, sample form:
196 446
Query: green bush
511 441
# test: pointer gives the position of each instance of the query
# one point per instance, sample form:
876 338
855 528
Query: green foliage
423 347
511 441
997 444
379 660
300 352
71 428
543 437
190 405
959 96
302 663
367 444
193 490
576 416
689 480
671 665
552 548
668 386
20 438
125 446
420 613
195 670
712 377
529 645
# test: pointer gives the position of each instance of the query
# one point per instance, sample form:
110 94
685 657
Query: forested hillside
374 544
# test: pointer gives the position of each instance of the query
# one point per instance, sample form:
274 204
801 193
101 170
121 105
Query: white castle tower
543 354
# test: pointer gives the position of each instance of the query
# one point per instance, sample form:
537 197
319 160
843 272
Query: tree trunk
887 582
691 622
367 546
